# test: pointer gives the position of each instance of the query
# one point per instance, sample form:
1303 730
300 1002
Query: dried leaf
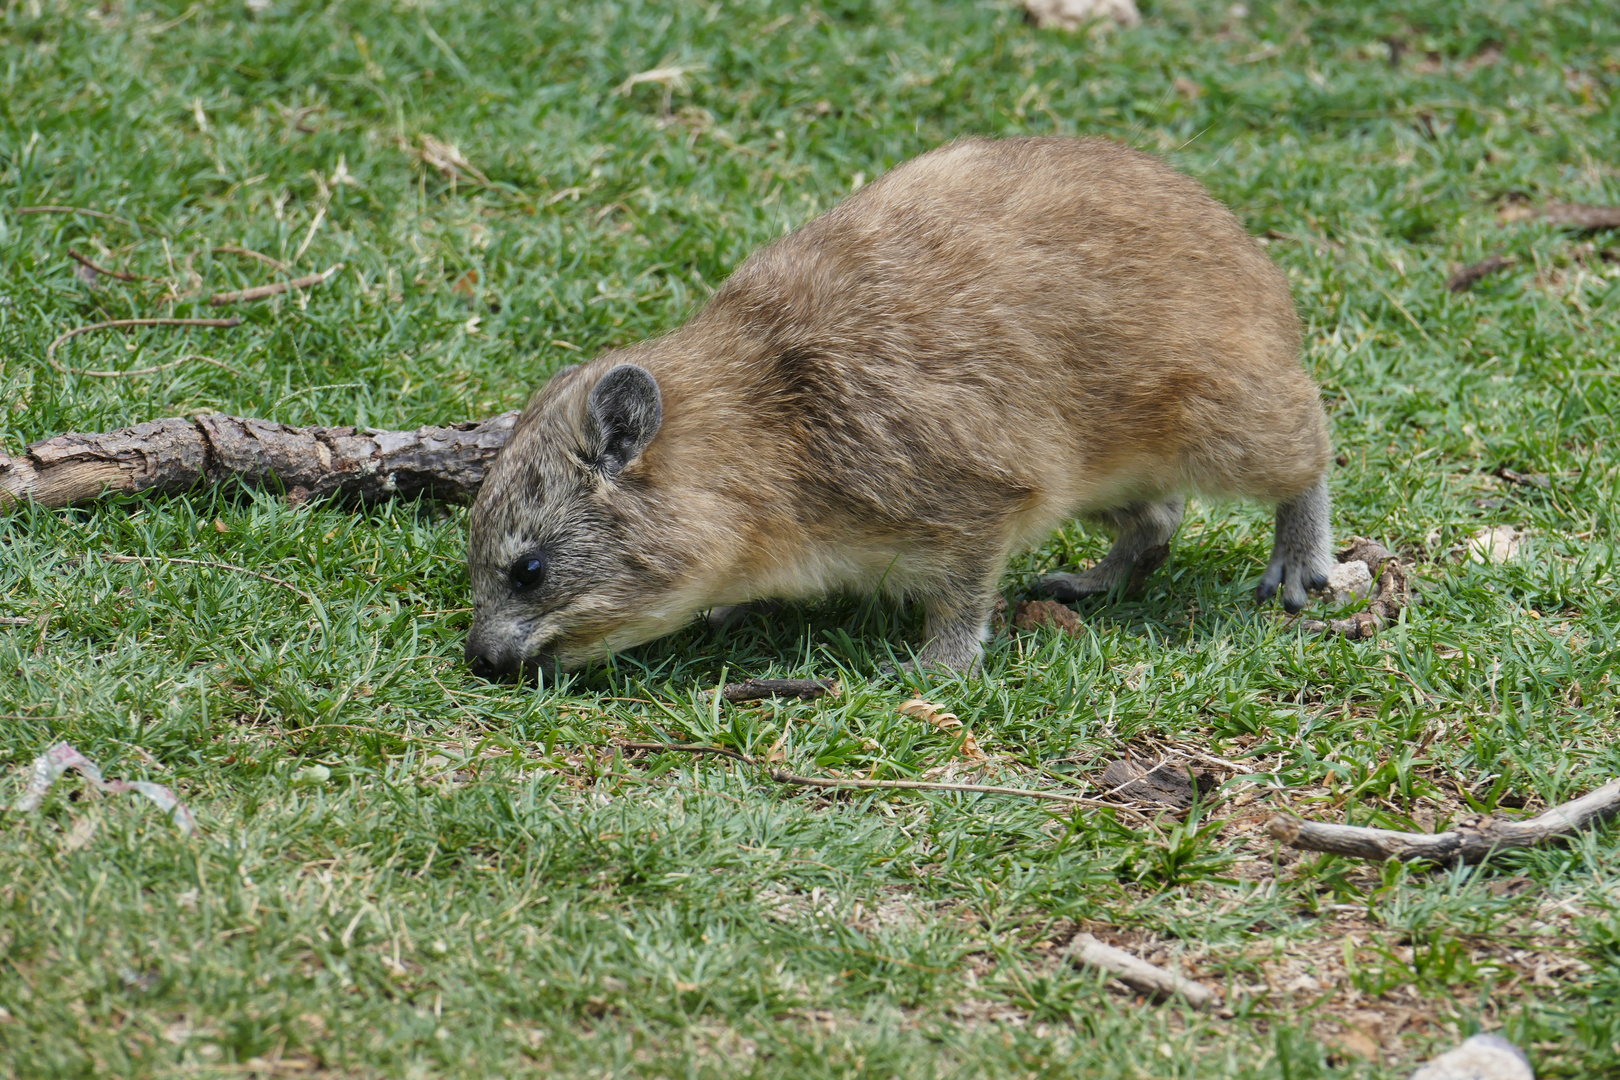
84 828
49 767
936 715
445 157
672 78
1357 1043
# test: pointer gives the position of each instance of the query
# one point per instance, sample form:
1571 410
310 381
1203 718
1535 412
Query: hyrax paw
1067 588
1297 582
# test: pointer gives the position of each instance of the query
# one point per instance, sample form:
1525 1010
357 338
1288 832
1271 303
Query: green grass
401 871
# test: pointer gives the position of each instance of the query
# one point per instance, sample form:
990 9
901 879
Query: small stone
1498 544
1483 1057
1350 581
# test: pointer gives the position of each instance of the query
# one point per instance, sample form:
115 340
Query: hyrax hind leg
1142 532
1302 553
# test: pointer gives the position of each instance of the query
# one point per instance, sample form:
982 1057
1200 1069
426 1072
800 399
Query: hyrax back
985 343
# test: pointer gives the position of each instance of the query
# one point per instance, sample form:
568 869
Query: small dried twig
1138 974
154 369
446 157
77 210
50 350
1475 840
782 776
150 560
260 292
1582 216
1467 276
251 254
119 274
15 620
763 689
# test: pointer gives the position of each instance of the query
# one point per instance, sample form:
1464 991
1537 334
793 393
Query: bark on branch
175 455
1472 841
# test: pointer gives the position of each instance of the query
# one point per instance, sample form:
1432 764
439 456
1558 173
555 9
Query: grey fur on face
986 343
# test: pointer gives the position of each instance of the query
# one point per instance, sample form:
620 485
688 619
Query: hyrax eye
528 571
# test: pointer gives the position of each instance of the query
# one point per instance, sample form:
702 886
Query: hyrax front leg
1142 533
956 622
1302 552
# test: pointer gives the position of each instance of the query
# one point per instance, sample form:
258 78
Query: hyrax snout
989 341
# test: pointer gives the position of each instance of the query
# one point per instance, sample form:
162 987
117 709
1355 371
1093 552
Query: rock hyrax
989 341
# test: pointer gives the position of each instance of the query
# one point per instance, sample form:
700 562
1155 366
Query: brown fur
985 343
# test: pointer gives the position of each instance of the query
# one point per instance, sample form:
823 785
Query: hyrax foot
1104 577
955 629
1142 533
1301 553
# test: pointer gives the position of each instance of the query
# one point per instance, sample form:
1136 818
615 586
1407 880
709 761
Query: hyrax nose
484 666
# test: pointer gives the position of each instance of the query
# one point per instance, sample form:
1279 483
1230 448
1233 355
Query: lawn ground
401 871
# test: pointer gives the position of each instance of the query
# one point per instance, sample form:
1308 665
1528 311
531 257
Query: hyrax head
561 555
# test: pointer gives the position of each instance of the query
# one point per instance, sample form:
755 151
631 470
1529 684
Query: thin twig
250 253
149 560
15 620
762 689
119 274
259 292
689 748
782 776
1467 276
50 350
77 210
1138 974
155 369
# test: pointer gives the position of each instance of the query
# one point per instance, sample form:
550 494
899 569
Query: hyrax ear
627 409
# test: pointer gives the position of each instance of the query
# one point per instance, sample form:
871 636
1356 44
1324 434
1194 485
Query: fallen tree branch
1473 841
1138 974
50 350
172 456
260 292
